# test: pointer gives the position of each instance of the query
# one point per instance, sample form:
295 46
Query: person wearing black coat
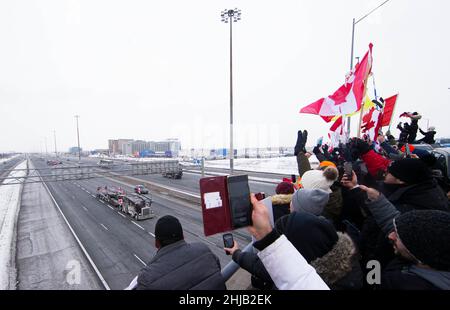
421 241
332 254
428 136
179 265
409 185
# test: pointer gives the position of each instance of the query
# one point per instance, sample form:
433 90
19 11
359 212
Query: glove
300 145
316 150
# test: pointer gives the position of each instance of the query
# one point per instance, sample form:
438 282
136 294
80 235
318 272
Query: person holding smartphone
287 267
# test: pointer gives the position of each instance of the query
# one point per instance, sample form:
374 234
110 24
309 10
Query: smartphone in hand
348 170
239 200
228 241
260 196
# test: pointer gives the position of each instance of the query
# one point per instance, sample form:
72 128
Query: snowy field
9 209
281 165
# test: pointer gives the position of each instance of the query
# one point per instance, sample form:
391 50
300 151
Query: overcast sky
160 69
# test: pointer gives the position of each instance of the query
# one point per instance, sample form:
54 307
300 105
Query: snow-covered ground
9 209
281 165
2 160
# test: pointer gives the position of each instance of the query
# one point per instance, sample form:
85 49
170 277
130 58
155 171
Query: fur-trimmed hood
337 263
281 199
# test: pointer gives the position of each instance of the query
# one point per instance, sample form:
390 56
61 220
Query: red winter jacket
375 162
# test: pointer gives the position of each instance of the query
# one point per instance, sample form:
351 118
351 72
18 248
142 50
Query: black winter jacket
182 266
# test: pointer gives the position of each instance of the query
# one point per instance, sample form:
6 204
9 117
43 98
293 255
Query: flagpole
351 68
351 61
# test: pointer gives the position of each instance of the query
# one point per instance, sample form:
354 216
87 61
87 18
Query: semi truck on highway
113 196
174 171
136 206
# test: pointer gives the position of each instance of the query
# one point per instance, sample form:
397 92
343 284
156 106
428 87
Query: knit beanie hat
326 163
426 235
310 200
285 188
410 170
311 235
168 230
320 179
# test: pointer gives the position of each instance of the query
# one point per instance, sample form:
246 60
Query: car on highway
54 162
424 147
443 158
106 163
443 142
140 189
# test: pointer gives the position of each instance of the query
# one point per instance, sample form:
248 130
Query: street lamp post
231 16
355 22
78 136
54 136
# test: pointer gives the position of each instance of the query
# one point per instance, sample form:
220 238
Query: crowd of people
368 201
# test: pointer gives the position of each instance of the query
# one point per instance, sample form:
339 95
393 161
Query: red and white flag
372 123
347 99
338 126
388 111
337 132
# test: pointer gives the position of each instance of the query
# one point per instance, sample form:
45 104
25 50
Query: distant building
113 146
127 148
100 151
139 146
170 147
74 150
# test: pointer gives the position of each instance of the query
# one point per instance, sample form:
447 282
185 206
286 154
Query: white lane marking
76 238
93 196
85 209
138 225
121 215
110 207
83 188
140 260
152 234
102 201
104 226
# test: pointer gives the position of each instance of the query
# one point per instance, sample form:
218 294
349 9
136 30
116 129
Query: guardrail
230 269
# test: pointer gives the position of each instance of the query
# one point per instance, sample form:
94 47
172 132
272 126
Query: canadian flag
338 126
347 99
372 123
337 133
388 110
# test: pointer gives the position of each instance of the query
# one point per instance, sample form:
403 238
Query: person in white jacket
286 266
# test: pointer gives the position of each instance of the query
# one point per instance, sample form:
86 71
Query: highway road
119 245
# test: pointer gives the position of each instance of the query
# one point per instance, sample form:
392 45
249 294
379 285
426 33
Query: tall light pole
46 151
355 22
54 136
230 16
78 136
